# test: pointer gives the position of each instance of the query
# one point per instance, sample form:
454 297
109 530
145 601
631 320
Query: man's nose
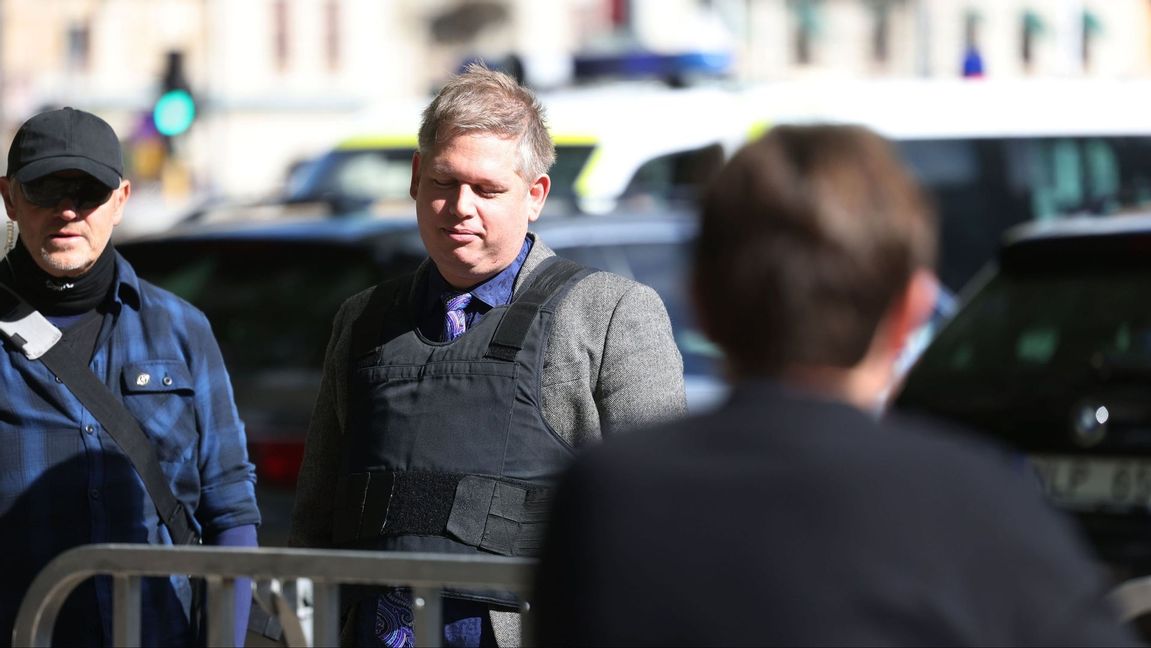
66 208
464 203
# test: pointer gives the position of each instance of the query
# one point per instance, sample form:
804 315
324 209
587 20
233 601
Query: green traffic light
174 112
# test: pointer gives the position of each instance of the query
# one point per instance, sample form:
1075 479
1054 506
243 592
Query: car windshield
384 175
1023 327
367 174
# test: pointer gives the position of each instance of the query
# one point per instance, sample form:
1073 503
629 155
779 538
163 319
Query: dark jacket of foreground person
793 515
785 519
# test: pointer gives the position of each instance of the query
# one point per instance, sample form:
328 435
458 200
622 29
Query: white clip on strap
29 330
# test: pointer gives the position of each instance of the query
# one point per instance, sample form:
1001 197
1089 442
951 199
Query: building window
880 30
806 21
79 46
280 27
619 14
1033 27
972 56
332 33
1092 27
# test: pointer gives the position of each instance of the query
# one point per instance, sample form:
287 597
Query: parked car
270 289
1049 354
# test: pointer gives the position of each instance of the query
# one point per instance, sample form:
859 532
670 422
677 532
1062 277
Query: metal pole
221 607
326 615
126 597
429 618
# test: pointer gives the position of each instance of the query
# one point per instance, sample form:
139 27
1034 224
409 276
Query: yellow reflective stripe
378 141
583 181
757 129
573 140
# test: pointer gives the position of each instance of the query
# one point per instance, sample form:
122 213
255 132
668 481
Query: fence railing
426 574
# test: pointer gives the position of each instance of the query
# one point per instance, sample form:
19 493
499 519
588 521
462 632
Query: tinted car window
675 177
1025 327
983 186
270 303
370 174
569 164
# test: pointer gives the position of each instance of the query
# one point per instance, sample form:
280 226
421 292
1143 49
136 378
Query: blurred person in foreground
796 514
66 481
454 395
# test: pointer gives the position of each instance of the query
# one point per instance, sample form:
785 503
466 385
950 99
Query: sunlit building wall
279 80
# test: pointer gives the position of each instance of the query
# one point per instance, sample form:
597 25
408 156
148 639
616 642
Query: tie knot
455 322
453 302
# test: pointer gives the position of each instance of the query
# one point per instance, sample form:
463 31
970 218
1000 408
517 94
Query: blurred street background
271 84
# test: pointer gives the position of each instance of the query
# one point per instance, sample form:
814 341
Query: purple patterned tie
454 322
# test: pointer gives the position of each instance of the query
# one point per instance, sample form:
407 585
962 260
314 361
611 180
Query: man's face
473 207
65 239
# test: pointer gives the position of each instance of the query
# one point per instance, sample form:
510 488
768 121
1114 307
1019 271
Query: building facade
276 81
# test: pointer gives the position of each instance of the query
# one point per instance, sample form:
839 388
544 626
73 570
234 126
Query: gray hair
482 100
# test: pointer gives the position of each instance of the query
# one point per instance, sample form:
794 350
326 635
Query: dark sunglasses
85 192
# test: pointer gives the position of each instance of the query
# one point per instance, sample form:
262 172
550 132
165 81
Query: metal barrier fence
427 575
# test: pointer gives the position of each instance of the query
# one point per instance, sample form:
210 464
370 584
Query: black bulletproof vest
447 447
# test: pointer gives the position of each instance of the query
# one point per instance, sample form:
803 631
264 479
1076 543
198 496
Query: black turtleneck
54 296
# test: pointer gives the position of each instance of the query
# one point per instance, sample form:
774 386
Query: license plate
1084 483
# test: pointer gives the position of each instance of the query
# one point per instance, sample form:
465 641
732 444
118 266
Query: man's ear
412 189
538 194
122 195
911 309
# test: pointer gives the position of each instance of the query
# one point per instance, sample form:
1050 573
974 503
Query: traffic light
175 109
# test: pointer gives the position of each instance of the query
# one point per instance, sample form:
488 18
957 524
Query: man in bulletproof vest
453 396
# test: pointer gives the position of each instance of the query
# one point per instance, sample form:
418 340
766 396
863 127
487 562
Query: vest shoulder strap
550 282
374 325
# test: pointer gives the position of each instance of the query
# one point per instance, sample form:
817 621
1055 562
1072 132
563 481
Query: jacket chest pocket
160 395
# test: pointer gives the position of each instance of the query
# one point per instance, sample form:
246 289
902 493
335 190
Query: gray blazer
611 364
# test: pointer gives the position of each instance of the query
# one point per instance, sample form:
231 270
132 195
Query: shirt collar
126 285
493 292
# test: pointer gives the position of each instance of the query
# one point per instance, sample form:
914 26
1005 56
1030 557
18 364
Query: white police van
993 153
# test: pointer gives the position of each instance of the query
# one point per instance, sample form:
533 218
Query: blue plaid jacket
64 482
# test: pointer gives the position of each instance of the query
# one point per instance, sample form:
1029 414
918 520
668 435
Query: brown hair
482 100
807 236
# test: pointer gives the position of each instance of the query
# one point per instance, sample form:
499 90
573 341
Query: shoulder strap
374 324
551 280
37 338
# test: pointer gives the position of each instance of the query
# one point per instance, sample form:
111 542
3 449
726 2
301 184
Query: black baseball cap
64 139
